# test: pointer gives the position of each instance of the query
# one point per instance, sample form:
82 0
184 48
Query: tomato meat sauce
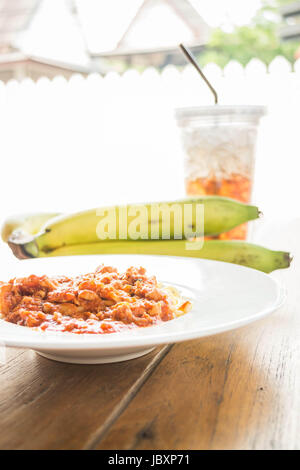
104 301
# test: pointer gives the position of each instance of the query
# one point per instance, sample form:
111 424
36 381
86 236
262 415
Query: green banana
220 215
236 252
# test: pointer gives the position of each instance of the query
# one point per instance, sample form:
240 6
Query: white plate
224 296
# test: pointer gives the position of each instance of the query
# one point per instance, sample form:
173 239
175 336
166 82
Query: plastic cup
219 145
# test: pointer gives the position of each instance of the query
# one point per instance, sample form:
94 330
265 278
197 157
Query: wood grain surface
232 391
50 405
238 390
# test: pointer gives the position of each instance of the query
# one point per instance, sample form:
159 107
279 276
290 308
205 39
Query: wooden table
238 390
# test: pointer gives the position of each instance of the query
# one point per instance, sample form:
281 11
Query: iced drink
219 146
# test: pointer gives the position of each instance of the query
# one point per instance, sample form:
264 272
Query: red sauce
104 301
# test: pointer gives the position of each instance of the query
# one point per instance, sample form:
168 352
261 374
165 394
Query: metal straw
192 60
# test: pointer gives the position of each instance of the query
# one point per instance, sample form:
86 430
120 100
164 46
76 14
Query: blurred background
60 37
88 90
